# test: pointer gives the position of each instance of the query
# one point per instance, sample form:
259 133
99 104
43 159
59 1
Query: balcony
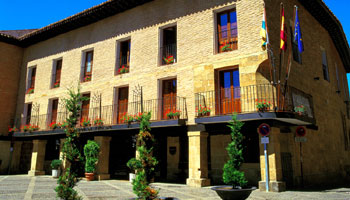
165 112
286 104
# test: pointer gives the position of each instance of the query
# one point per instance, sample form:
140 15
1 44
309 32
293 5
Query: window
325 66
227 35
87 66
56 74
337 76
168 46
85 108
296 53
123 64
31 80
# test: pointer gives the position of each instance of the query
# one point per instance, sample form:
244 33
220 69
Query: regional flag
297 32
283 45
263 33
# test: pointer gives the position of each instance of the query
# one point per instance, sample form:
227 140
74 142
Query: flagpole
271 59
289 58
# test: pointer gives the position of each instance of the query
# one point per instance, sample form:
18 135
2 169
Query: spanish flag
283 31
263 32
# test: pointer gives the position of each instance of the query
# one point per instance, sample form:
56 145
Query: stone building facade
183 57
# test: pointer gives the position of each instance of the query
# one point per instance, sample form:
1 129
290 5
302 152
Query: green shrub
55 164
91 151
144 163
232 175
70 150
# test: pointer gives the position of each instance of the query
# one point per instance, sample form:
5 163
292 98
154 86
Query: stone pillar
102 168
16 156
197 159
274 163
38 158
65 163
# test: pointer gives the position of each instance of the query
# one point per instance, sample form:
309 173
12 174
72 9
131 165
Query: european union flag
297 32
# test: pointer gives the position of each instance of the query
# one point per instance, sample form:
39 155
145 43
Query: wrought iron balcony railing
171 108
253 98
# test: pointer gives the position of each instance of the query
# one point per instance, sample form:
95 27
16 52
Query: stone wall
324 152
10 62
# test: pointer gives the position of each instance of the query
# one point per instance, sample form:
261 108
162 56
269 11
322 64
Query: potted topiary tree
237 188
91 151
55 165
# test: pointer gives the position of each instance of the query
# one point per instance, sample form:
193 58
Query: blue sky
28 14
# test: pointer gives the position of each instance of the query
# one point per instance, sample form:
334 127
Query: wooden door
85 108
122 109
54 110
29 113
229 92
168 97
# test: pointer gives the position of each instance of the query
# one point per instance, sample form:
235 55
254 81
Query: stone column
197 159
38 158
65 163
102 168
16 156
274 163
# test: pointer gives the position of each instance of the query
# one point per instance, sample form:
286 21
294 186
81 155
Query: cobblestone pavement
42 187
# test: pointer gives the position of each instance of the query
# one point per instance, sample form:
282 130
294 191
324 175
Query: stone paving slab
42 187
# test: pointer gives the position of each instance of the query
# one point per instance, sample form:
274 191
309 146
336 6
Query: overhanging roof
319 10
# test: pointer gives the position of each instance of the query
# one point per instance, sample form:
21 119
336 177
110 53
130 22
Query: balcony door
54 110
85 108
229 92
122 104
168 97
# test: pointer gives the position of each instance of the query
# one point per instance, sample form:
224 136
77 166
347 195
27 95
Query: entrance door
229 92
123 94
168 97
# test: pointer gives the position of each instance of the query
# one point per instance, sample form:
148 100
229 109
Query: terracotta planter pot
89 176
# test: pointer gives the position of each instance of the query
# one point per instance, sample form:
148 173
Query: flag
297 32
263 33
283 45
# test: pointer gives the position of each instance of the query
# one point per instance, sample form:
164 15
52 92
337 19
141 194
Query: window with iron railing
56 75
168 49
31 80
87 66
227 35
123 63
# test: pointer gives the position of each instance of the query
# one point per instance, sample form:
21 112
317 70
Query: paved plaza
42 187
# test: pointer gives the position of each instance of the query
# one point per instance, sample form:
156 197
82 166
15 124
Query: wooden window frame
56 73
85 73
162 44
218 28
325 67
